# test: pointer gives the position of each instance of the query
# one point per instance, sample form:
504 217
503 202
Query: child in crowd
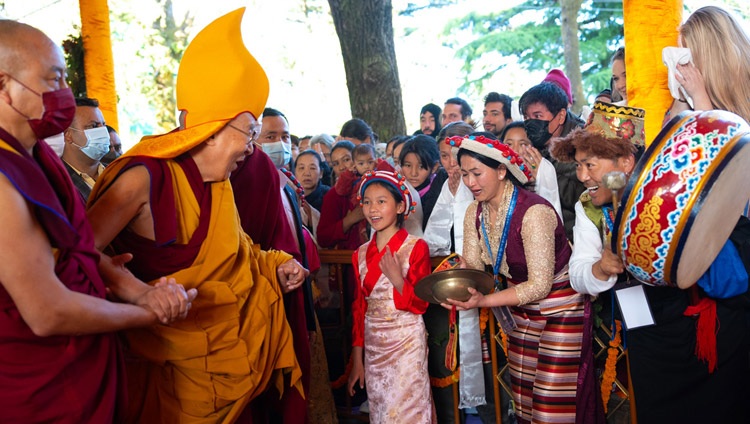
364 160
389 337
420 164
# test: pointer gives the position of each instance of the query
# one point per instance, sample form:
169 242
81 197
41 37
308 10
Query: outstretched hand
291 275
471 303
120 260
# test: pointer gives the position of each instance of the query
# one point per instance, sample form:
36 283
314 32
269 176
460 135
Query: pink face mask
59 111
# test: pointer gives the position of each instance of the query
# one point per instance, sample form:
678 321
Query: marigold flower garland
610 371
484 316
446 381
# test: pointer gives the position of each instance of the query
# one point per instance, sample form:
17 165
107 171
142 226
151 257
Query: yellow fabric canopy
649 27
98 62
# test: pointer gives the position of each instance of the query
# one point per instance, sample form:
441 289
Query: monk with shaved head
59 358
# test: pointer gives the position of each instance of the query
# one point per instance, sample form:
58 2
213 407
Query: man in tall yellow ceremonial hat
169 203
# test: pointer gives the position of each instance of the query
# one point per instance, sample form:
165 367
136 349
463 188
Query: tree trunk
571 50
365 31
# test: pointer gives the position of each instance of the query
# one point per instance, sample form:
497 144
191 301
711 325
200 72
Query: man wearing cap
669 382
59 357
612 138
236 340
86 143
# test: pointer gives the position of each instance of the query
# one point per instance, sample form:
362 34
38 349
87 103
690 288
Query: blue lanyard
608 218
504 238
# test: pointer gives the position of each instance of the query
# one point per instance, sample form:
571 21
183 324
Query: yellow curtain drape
97 59
649 27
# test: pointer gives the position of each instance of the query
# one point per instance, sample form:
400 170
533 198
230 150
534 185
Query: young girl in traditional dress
388 329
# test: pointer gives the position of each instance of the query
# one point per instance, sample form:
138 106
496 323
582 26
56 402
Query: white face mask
279 152
97 143
57 143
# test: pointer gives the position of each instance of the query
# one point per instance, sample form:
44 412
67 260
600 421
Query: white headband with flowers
494 150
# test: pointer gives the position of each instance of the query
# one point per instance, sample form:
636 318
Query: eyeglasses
252 135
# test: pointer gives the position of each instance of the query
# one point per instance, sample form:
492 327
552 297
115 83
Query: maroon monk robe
257 194
162 256
61 379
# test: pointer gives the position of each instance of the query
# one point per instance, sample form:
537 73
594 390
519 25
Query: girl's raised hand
389 264
391 267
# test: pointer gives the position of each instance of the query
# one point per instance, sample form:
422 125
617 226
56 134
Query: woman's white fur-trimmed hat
494 150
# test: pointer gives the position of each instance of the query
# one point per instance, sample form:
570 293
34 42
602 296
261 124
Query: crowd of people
180 281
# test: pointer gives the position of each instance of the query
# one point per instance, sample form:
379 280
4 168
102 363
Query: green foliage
531 33
411 8
311 7
167 42
73 49
152 68
740 9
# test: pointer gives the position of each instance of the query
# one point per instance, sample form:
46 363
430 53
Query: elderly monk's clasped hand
168 300
291 275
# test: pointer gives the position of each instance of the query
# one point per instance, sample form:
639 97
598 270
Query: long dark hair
426 149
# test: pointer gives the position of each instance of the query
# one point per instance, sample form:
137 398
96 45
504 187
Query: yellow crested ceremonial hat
218 79
618 122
